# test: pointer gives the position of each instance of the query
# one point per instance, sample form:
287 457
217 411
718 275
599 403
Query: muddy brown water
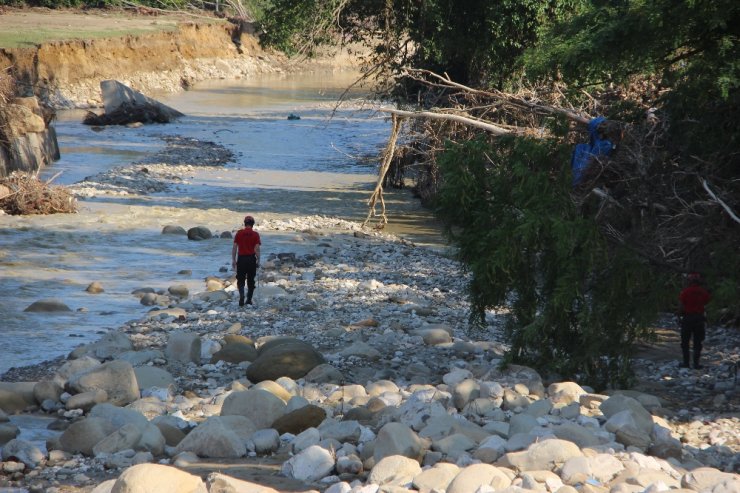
323 164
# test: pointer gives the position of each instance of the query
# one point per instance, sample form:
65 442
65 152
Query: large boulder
398 439
151 376
474 476
310 464
170 229
235 352
48 305
544 455
82 436
630 411
16 396
117 378
108 346
22 451
124 105
124 438
119 416
221 483
296 421
565 392
395 470
437 478
199 233
70 368
183 347
260 406
292 359
148 478
220 437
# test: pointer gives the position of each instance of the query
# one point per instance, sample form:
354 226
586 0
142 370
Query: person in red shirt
693 299
247 246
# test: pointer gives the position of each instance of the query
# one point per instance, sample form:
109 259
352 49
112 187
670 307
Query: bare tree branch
719 201
488 127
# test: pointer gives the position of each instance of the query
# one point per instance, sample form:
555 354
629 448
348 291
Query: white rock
159 478
310 464
398 439
266 441
341 487
305 439
436 478
474 476
394 470
456 376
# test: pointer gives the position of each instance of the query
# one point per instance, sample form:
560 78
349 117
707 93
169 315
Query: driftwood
29 195
720 201
669 215
503 97
464 119
384 167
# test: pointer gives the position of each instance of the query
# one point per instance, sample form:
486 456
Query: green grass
23 38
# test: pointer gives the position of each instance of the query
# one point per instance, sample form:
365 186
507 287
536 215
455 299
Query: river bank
403 373
405 379
405 383
154 54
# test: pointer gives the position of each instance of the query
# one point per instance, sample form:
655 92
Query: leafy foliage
578 303
692 47
474 41
580 295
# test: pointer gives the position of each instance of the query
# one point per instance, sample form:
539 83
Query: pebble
412 403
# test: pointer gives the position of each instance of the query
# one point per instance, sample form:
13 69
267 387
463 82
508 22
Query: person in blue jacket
599 145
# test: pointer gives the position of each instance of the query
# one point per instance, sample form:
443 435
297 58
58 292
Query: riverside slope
66 74
407 401
411 399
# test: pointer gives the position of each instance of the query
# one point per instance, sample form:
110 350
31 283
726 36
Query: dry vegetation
29 195
640 196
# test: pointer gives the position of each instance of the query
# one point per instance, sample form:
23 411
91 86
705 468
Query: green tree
578 302
474 41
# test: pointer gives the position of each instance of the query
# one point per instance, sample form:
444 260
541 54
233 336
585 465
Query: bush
578 303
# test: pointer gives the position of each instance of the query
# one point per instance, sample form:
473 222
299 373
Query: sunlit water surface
323 163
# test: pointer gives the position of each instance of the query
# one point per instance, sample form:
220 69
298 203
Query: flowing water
283 168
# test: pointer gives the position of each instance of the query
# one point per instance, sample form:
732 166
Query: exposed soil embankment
67 74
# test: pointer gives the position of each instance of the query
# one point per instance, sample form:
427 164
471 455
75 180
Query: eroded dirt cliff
67 74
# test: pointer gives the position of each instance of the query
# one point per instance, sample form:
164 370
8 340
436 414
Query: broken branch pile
669 210
26 194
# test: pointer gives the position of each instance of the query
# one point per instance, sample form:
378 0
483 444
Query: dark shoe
249 302
683 365
241 300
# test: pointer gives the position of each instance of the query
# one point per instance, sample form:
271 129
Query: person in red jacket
247 246
693 299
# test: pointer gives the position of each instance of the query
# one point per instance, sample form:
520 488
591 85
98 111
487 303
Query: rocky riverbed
355 371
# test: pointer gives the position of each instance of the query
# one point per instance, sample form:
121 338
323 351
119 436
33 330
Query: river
324 163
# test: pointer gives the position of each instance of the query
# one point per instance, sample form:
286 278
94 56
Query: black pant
692 327
246 268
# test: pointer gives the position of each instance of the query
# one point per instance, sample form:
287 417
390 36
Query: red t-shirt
693 299
247 239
